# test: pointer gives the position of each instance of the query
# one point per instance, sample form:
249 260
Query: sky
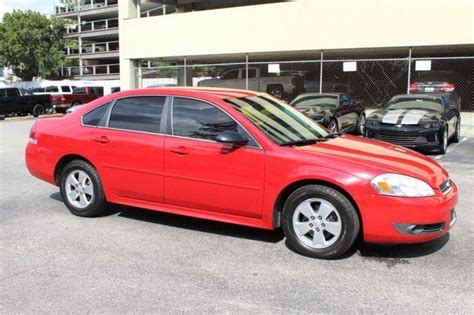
43 6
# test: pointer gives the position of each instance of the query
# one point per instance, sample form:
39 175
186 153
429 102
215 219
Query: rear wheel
38 109
81 189
320 222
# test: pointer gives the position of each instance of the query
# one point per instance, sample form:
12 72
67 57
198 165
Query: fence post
409 71
246 71
321 72
185 75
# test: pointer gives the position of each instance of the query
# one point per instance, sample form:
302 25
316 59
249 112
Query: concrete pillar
128 74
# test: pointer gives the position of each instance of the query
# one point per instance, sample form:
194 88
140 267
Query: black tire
443 141
348 215
333 122
37 110
457 133
98 202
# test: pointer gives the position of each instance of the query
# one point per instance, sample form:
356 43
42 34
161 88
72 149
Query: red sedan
241 157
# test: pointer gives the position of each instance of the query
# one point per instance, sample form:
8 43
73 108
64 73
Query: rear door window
12 92
66 89
138 114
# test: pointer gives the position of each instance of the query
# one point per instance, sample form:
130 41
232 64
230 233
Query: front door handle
101 139
180 150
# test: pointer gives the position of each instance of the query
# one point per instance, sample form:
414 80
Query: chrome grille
445 187
401 139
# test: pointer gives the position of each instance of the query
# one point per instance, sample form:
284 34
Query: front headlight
401 186
430 124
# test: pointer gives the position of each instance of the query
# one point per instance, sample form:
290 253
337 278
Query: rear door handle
180 150
101 139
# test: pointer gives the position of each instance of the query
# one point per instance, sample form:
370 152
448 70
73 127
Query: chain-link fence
372 81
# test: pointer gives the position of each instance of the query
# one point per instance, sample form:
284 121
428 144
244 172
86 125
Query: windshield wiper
301 142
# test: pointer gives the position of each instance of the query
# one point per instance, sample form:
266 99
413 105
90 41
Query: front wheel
38 109
320 222
443 142
361 124
457 134
81 189
333 126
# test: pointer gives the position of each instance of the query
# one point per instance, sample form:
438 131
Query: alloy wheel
79 189
362 124
317 223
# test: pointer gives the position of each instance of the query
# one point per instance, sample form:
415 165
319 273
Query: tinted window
252 73
52 89
138 113
98 90
96 116
346 99
196 119
234 74
433 104
315 100
66 89
79 91
12 92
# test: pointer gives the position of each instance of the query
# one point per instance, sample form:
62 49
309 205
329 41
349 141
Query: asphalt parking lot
134 260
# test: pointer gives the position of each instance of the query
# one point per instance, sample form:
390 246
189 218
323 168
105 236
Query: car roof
320 94
220 93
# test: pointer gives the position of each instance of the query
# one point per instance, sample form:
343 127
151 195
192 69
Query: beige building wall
301 25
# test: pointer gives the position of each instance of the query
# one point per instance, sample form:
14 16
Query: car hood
367 158
404 116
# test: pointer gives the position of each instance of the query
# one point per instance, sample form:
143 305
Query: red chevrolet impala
241 157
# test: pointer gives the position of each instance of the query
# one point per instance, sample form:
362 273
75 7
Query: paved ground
139 261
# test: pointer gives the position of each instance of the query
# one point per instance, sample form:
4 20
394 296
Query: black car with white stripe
417 121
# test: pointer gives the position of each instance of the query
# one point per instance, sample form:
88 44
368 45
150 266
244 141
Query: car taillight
57 99
414 87
32 137
447 87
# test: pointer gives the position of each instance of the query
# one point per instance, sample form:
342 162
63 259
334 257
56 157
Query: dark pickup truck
79 96
22 102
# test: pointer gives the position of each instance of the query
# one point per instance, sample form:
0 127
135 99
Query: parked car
282 86
53 90
434 82
79 96
424 122
336 111
241 157
22 102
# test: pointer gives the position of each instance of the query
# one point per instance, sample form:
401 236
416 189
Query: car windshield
310 101
279 121
415 103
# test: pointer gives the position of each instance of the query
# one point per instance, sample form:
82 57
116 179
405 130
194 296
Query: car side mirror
232 137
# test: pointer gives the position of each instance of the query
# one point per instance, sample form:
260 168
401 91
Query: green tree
32 44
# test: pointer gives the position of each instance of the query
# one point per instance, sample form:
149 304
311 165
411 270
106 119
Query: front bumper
413 137
408 220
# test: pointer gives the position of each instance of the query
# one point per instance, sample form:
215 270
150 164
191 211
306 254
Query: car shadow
201 225
389 254
195 224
